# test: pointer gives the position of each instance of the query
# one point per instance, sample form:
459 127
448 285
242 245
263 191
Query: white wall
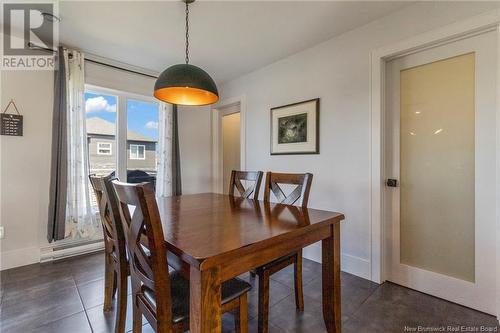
231 154
195 149
338 72
24 167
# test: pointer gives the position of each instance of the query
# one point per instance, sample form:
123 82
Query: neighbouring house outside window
104 148
137 152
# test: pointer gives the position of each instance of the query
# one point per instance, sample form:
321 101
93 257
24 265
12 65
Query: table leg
331 280
205 301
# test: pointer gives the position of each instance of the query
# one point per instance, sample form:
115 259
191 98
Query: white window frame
137 157
121 141
110 148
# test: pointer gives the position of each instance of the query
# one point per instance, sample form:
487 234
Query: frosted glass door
437 166
440 132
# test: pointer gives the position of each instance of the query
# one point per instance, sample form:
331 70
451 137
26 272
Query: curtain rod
33 46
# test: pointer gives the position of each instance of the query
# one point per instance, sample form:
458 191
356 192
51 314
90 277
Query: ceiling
227 38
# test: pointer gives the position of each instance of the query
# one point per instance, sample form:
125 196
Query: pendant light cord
187 32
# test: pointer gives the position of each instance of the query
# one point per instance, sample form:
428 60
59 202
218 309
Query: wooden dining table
212 238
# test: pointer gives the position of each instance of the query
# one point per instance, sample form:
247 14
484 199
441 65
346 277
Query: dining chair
116 264
252 176
163 296
299 196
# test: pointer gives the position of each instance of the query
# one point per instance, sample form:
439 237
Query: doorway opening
228 144
230 147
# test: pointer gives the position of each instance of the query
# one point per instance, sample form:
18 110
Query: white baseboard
33 255
348 263
19 257
60 252
355 265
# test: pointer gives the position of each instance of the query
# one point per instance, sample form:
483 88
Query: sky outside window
101 106
142 118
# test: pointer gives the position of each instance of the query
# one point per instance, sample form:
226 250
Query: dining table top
205 226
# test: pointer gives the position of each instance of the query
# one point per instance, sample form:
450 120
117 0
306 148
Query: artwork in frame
295 128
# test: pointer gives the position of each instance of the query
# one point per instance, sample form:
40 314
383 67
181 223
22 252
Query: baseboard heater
67 250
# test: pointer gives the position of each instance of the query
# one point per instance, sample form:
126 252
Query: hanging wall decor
11 124
295 128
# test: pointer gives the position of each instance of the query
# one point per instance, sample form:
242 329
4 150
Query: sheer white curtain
81 223
164 159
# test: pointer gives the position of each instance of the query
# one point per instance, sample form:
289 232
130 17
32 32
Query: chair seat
179 286
275 263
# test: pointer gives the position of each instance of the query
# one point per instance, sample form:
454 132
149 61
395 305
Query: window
142 135
104 148
122 134
101 116
100 111
137 152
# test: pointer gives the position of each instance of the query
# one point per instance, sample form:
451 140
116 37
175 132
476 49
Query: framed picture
295 128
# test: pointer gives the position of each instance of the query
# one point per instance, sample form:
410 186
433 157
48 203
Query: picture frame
295 128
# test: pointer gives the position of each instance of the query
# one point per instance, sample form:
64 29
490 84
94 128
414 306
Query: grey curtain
176 160
59 166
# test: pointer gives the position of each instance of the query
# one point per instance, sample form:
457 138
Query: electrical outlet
2 232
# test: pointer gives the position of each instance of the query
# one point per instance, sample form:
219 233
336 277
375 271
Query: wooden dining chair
163 296
299 196
116 264
254 188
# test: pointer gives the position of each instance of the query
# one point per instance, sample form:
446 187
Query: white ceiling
228 38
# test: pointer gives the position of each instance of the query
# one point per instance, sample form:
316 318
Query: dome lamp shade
186 84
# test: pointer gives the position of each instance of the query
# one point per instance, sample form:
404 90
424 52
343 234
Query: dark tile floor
67 296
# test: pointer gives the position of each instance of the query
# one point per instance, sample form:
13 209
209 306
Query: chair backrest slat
145 243
110 217
299 195
252 176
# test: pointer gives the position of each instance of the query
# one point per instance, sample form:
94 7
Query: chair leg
241 315
136 312
108 283
299 294
263 302
121 303
137 319
164 327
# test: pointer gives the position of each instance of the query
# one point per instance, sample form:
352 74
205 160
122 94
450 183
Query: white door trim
216 142
498 176
378 59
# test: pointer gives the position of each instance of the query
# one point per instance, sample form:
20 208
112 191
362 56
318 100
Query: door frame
488 21
216 153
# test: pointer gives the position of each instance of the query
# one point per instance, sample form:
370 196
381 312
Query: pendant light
186 84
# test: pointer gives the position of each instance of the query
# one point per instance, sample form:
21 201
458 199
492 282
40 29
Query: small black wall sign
11 124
